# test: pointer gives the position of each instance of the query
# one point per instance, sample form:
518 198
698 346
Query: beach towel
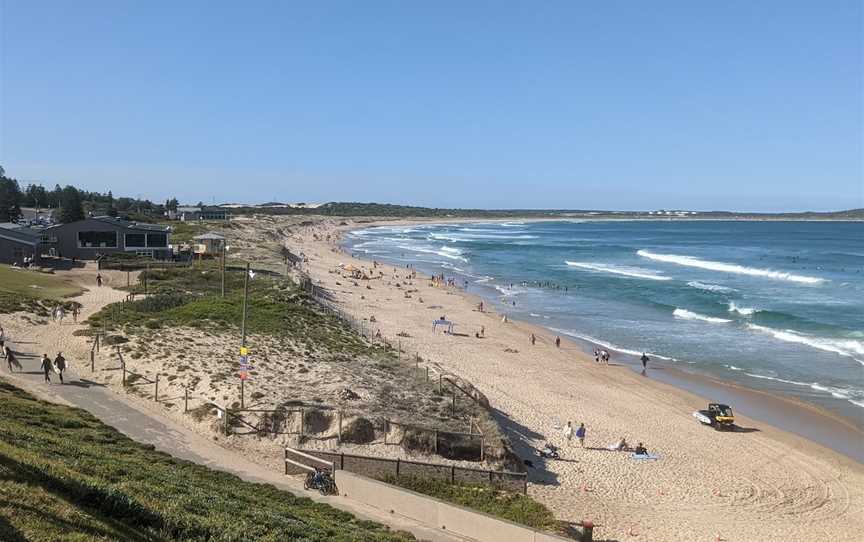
645 457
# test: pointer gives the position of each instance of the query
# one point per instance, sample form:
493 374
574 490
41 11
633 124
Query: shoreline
843 434
743 484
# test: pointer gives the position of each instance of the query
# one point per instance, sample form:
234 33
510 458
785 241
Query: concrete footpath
167 436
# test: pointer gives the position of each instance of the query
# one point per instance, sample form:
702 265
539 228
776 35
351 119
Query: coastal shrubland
67 476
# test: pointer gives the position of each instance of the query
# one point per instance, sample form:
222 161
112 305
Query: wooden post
242 386
398 462
127 278
482 448
453 474
342 461
427 374
156 393
92 359
286 461
185 399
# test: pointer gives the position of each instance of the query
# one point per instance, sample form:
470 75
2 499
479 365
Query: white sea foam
844 347
733 368
633 272
431 250
854 396
690 261
452 250
743 311
469 237
688 315
607 346
709 287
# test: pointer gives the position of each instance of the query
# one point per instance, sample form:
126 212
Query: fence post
342 461
156 392
286 461
482 448
92 360
185 399
427 374
398 463
453 474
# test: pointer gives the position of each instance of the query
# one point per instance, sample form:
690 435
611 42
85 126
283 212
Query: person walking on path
645 359
60 365
75 312
60 314
557 342
533 339
568 433
580 434
11 361
46 367
98 279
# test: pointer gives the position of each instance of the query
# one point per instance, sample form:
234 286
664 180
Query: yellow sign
244 351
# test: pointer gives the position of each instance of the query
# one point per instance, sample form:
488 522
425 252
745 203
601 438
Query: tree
10 200
71 209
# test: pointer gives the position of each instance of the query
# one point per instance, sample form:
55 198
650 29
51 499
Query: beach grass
34 284
31 291
191 297
66 476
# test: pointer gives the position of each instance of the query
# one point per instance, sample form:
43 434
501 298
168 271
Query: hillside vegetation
65 476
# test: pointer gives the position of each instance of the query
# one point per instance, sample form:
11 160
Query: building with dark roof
97 236
18 242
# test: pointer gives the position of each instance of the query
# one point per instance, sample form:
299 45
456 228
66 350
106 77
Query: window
97 239
157 240
135 240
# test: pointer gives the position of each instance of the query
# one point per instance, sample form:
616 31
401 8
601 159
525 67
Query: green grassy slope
65 476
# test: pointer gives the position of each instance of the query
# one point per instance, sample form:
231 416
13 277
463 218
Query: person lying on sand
620 446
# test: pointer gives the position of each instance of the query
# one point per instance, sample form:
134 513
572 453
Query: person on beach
11 360
59 314
596 355
604 355
60 365
533 339
98 279
580 434
75 312
620 446
568 433
640 450
644 359
46 367
557 342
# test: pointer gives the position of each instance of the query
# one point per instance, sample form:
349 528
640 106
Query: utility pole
243 331
245 301
223 268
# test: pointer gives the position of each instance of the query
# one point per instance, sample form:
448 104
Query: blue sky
628 105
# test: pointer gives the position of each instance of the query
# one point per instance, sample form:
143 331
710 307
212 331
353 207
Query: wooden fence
382 468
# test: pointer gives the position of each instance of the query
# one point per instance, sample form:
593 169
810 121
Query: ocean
775 306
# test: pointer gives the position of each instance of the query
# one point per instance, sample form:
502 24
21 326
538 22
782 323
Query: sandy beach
760 483
757 484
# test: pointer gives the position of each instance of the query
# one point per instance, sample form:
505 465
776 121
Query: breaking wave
743 311
633 272
844 347
709 287
688 315
690 261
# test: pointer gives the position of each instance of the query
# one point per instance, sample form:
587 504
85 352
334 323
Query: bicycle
322 481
